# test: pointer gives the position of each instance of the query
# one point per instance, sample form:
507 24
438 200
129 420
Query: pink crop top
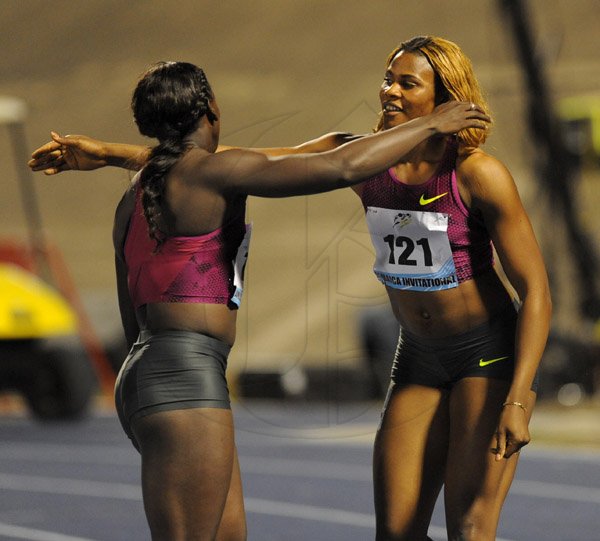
205 268
470 241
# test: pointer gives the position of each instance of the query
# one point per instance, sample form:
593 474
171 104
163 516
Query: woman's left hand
512 432
68 153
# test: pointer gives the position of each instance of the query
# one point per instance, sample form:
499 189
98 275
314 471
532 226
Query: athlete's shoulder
123 214
484 180
476 168
199 168
473 162
127 201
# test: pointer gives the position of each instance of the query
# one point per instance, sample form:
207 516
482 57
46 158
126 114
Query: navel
425 315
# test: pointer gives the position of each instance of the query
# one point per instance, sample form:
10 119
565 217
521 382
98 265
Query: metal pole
556 168
29 200
13 112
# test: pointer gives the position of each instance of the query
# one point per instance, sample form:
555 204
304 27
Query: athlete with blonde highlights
464 375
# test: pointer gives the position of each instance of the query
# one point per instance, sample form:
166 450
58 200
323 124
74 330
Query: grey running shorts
171 370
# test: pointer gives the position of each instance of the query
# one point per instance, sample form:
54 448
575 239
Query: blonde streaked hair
454 78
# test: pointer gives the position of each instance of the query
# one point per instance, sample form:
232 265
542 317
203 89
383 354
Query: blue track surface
306 471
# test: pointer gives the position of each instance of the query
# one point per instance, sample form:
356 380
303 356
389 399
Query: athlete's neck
422 162
431 151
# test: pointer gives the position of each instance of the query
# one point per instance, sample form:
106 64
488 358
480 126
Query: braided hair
168 103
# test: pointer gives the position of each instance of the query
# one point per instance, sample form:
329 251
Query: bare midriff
216 320
436 314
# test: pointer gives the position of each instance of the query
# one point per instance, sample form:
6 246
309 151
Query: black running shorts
484 351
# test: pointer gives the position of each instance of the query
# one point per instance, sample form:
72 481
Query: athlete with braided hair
181 243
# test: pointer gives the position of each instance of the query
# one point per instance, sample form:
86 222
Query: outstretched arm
83 153
251 173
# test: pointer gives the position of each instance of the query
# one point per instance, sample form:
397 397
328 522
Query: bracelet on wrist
518 404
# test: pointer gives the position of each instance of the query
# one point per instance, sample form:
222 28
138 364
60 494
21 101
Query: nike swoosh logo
485 363
424 201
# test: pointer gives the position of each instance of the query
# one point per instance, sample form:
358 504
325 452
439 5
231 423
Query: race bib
412 249
239 265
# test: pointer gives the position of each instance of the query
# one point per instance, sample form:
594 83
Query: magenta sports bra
424 236
204 269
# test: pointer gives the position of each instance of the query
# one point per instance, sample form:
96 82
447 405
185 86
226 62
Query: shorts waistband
189 336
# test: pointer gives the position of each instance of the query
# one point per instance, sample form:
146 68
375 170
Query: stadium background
283 72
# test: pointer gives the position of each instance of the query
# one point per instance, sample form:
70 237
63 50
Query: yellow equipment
48 350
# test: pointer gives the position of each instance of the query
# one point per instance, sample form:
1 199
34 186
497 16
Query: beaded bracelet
518 404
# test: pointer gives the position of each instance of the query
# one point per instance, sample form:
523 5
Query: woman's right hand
452 116
68 153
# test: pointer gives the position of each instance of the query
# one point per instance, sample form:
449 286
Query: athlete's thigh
187 463
233 521
476 484
409 460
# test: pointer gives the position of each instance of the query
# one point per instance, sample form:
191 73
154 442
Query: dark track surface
306 471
